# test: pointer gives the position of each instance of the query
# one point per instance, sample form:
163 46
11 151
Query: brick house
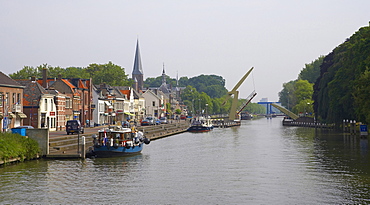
11 108
78 98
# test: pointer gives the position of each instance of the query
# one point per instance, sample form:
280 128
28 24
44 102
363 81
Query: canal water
260 162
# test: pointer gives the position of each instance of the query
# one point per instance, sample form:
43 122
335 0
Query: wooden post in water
83 155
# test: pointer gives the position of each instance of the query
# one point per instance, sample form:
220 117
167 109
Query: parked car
157 122
125 124
163 120
183 117
145 122
74 126
151 120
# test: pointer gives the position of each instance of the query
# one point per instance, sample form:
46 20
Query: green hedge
14 146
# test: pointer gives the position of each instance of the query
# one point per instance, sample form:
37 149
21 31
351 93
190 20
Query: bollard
344 125
354 126
83 155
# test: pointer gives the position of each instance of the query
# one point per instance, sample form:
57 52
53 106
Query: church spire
137 72
163 76
138 69
177 79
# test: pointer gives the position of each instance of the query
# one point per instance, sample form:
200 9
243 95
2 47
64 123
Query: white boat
201 124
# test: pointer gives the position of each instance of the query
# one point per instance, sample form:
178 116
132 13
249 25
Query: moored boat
201 124
118 141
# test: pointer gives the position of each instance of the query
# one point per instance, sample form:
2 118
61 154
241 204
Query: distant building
264 100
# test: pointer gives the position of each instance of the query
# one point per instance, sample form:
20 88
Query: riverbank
14 147
67 146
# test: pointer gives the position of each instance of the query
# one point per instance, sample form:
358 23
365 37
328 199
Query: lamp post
200 111
305 109
288 99
192 107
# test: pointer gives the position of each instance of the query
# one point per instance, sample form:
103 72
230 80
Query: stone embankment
163 130
66 146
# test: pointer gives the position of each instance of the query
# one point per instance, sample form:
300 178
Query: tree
26 73
178 111
75 72
339 79
213 85
303 90
168 108
287 96
362 95
110 74
304 106
255 108
311 71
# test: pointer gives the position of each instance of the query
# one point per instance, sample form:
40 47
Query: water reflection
260 162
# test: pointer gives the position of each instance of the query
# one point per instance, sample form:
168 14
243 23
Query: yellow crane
235 93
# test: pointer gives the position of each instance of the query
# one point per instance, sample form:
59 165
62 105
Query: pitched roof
6 81
32 92
82 85
149 92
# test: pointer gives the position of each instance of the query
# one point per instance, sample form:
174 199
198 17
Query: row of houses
51 102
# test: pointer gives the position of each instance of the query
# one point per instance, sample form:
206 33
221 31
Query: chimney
33 79
59 77
44 78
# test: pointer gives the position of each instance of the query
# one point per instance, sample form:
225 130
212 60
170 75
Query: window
19 100
51 104
1 99
68 102
7 99
13 98
46 104
153 103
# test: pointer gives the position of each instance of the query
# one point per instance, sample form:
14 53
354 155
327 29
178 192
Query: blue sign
5 123
363 129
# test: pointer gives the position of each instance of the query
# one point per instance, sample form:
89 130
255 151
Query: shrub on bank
13 146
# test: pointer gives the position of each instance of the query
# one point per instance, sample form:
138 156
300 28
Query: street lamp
288 99
200 111
305 109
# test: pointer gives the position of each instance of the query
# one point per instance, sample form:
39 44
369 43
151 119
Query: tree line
342 91
202 93
296 95
108 73
336 86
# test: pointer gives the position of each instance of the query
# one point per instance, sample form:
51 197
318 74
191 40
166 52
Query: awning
108 104
11 115
127 113
21 115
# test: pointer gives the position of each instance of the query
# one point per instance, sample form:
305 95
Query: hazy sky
225 38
